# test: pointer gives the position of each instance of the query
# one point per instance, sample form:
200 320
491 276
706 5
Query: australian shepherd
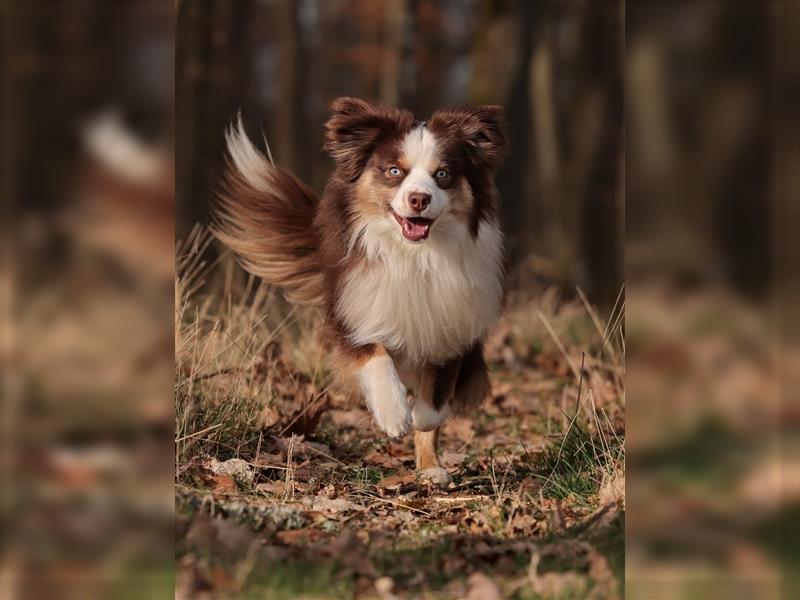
404 252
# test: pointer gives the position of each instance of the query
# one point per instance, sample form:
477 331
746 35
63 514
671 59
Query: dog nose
419 200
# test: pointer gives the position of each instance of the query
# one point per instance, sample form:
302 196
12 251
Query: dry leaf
460 428
304 421
397 482
277 488
481 587
332 505
449 459
237 468
300 448
300 537
223 484
265 459
384 587
356 418
269 417
376 458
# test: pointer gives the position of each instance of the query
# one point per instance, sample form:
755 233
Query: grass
535 471
576 466
299 579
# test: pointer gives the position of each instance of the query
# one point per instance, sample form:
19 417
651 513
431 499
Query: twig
395 503
566 434
196 433
596 320
559 345
452 500
580 384
225 371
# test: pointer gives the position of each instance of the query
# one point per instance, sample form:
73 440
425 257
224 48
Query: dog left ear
354 130
482 128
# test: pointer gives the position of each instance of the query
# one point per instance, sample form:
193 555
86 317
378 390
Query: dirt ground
285 489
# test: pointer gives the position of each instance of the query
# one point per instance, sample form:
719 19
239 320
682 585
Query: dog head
417 175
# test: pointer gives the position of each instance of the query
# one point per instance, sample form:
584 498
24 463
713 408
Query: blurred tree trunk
395 25
599 201
515 175
547 155
189 42
288 151
785 183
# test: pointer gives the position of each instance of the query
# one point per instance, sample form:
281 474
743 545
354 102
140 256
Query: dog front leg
384 392
433 389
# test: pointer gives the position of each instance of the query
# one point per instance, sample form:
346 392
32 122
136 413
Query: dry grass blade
559 344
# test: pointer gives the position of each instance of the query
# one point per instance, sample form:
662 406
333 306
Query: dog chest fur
428 302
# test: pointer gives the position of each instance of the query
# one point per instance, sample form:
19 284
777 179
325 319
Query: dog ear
355 128
482 130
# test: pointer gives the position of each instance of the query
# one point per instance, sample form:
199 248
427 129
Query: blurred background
87 297
711 257
708 233
555 66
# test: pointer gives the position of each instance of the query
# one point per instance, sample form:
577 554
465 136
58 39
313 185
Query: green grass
298 579
574 466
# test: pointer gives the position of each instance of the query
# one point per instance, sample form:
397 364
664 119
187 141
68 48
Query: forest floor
285 489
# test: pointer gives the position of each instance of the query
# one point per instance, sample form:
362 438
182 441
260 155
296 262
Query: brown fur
478 144
289 238
463 382
356 128
271 232
425 449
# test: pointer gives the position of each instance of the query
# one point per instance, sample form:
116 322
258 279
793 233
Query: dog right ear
354 130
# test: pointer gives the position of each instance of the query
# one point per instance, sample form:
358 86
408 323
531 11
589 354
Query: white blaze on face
421 153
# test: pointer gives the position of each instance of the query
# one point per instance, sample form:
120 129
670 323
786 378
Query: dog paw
385 396
392 413
436 475
426 417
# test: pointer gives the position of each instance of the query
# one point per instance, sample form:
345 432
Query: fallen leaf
449 458
376 458
600 571
613 491
269 417
523 524
384 587
397 482
460 428
265 459
356 418
301 448
300 537
277 488
332 505
237 468
481 587
352 552
223 484
304 420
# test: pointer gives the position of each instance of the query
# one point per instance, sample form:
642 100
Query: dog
403 251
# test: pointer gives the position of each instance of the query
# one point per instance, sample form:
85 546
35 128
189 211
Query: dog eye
394 171
441 174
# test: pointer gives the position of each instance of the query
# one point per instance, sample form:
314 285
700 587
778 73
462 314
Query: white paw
436 475
385 396
427 418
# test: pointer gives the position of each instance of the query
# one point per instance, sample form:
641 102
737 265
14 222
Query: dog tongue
416 230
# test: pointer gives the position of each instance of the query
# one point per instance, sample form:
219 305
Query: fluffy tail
264 215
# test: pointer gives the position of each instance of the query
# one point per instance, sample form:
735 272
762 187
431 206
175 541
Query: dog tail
265 214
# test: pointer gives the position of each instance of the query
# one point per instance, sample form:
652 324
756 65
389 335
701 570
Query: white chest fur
428 301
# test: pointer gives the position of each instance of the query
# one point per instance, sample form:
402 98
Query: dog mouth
415 229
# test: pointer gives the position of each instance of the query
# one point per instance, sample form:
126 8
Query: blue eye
395 171
441 174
